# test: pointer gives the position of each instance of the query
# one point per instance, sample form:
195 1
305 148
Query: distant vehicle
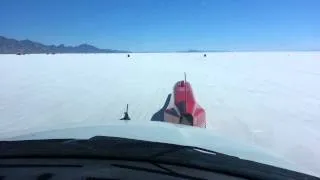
205 55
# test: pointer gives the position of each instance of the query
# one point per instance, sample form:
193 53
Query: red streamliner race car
183 107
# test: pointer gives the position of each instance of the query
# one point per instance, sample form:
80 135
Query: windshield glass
247 71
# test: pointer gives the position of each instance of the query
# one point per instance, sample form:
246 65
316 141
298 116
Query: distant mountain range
13 46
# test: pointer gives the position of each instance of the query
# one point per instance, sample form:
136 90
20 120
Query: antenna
126 115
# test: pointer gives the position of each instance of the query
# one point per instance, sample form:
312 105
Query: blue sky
166 25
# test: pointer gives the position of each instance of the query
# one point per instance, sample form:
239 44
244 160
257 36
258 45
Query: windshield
247 71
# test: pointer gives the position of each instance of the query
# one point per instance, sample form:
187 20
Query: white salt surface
269 99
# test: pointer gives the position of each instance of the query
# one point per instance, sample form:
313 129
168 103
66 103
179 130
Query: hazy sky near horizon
166 25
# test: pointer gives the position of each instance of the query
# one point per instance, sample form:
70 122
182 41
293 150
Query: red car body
183 107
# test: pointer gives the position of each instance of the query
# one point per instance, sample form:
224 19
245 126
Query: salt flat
269 99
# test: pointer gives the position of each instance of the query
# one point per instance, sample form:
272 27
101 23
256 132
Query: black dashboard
54 169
